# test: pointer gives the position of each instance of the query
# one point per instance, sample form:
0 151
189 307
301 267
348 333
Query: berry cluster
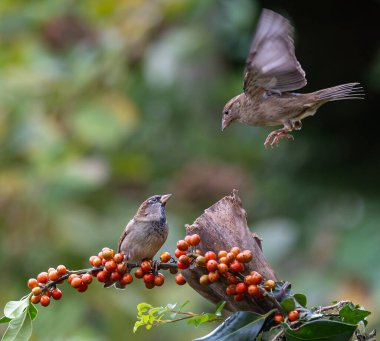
292 316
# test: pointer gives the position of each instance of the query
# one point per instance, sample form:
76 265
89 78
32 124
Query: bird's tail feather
339 92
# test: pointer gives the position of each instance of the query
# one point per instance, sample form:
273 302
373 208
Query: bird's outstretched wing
271 63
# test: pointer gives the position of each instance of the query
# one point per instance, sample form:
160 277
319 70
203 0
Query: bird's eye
226 112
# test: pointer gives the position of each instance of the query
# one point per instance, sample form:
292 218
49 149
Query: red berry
91 260
110 265
45 300
179 253
122 268
256 278
32 283
209 255
108 253
241 288
269 285
35 299
293 315
179 279
139 273
195 240
126 279
238 297
236 266
61 270
212 265
76 282
149 285
42 277
53 275
182 266
86 278
102 276
159 280
118 258
213 276
233 279
253 290
278 318
182 245
149 278
82 287
165 257
231 289
145 266
100 255
248 280
188 239
115 276
235 251
56 294
184 259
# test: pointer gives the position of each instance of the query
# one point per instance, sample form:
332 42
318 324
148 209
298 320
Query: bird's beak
225 124
165 198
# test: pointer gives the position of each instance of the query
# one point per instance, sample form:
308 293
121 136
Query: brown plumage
272 72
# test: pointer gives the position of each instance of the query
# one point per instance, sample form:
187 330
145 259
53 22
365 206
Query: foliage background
104 103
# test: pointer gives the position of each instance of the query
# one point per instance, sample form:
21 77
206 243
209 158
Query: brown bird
147 231
271 73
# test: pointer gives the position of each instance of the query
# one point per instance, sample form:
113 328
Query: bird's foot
274 137
155 265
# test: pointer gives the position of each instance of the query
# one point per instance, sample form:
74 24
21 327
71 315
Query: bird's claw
155 265
274 137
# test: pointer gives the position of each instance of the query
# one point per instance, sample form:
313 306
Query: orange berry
126 279
230 257
224 260
278 318
115 276
195 240
121 268
222 268
293 315
182 245
45 300
32 283
101 276
42 277
256 278
203 280
236 266
61 270
198 252
247 255
71 277
37 291
178 253
165 257
235 251
213 276
222 254
241 288
110 265
139 273
53 275
118 258
184 260
96 262
56 294
35 299
108 253
86 278
76 282
179 279
209 255
146 266
188 239
253 290
148 278
269 285
231 289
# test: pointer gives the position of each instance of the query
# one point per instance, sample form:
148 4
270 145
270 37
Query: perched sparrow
271 72
147 231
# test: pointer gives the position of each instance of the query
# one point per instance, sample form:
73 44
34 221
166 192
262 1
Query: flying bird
272 72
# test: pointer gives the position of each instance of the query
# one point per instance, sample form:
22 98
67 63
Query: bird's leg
155 264
274 137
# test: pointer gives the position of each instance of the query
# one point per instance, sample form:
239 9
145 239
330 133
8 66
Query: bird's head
231 111
153 208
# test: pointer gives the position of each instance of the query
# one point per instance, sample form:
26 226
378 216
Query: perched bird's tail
339 92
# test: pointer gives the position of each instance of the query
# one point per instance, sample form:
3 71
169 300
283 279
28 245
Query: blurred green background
104 103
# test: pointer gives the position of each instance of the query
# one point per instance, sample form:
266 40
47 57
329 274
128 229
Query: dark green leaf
19 329
272 334
301 299
352 314
322 330
288 304
5 319
241 326
15 308
33 311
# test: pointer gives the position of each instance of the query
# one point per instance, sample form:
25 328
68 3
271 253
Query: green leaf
219 308
301 299
198 320
241 326
19 329
322 330
353 314
33 311
271 335
5 319
143 307
288 304
15 308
